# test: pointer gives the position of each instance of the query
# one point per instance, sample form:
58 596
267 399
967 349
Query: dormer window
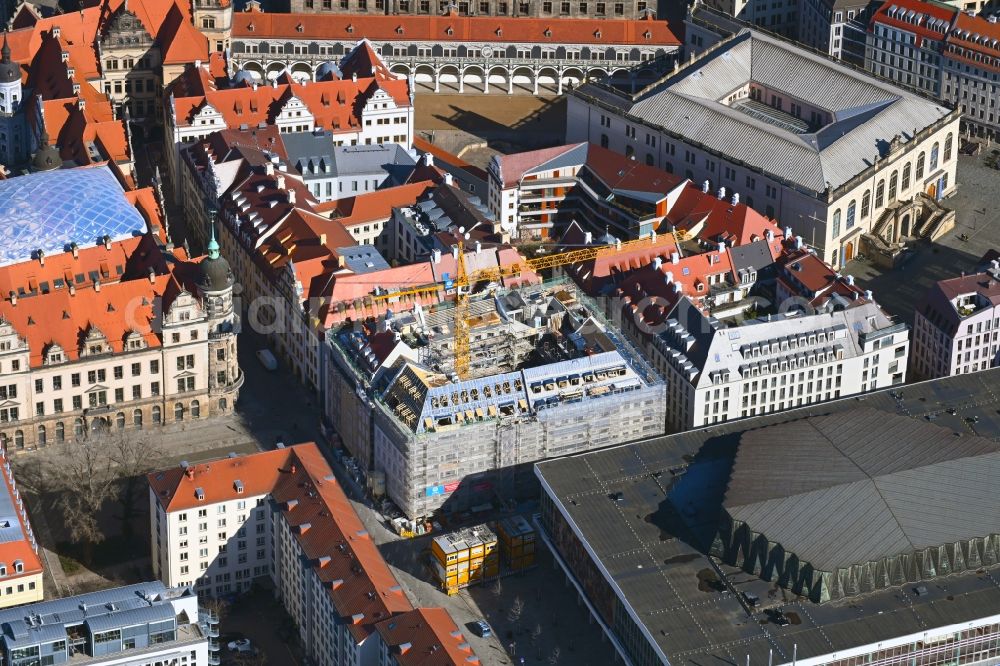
250 27
3 568
499 32
299 28
597 34
548 32
399 30
18 566
647 35
350 28
449 31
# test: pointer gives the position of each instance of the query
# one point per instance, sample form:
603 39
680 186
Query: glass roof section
52 209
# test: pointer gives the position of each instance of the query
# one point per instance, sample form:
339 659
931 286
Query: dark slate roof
863 485
652 542
755 256
363 258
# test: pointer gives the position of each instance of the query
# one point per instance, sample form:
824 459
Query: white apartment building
717 374
278 514
956 328
800 137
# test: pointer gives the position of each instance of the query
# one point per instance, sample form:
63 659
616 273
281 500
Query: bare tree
536 634
515 611
497 589
133 456
555 656
83 474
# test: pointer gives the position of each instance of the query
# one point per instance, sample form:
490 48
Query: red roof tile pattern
426 637
335 104
379 28
362 588
20 549
925 20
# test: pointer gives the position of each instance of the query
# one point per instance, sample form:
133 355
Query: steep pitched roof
426 637
363 590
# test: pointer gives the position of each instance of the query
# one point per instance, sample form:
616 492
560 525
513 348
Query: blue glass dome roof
49 210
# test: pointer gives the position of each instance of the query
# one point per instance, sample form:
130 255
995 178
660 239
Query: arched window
947 147
179 412
78 427
921 158
120 420
880 194
19 439
157 417
18 566
906 177
137 417
851 210
866 204
42 436
222 404
649 159
668 167
893 183
60 432
195 409
3 568
836 223
934 157
629 151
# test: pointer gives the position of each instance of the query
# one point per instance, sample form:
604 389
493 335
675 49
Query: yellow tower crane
463 282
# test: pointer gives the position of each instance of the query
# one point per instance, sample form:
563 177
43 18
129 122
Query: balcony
214 659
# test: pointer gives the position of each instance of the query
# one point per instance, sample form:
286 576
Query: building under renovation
547 376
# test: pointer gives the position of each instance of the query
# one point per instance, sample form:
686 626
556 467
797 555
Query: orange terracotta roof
379 28
376 205
362 588
448 158
426 637
62 316
335 104
21 549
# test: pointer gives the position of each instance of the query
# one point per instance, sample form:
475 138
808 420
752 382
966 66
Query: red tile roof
514 166
376 205
362 588
335 104
917 23
448 158
18 549
379 28
426 637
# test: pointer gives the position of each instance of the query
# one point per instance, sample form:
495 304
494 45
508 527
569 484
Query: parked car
267 359
242 646
481 629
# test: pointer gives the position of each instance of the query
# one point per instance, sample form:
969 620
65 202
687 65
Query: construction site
538 372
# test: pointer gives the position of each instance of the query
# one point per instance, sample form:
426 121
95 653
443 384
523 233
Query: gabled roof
426 637
333 539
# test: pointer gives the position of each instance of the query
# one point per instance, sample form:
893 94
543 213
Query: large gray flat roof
652 541
866 113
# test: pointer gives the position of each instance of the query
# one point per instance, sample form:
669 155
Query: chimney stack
736 199
449 179
436 256
454 252
13 297
75 249
722 193
41 257
588 238
479 247
705 186
291 196
97 285
107 242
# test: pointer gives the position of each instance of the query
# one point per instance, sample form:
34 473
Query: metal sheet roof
130 618
866 112
672 490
